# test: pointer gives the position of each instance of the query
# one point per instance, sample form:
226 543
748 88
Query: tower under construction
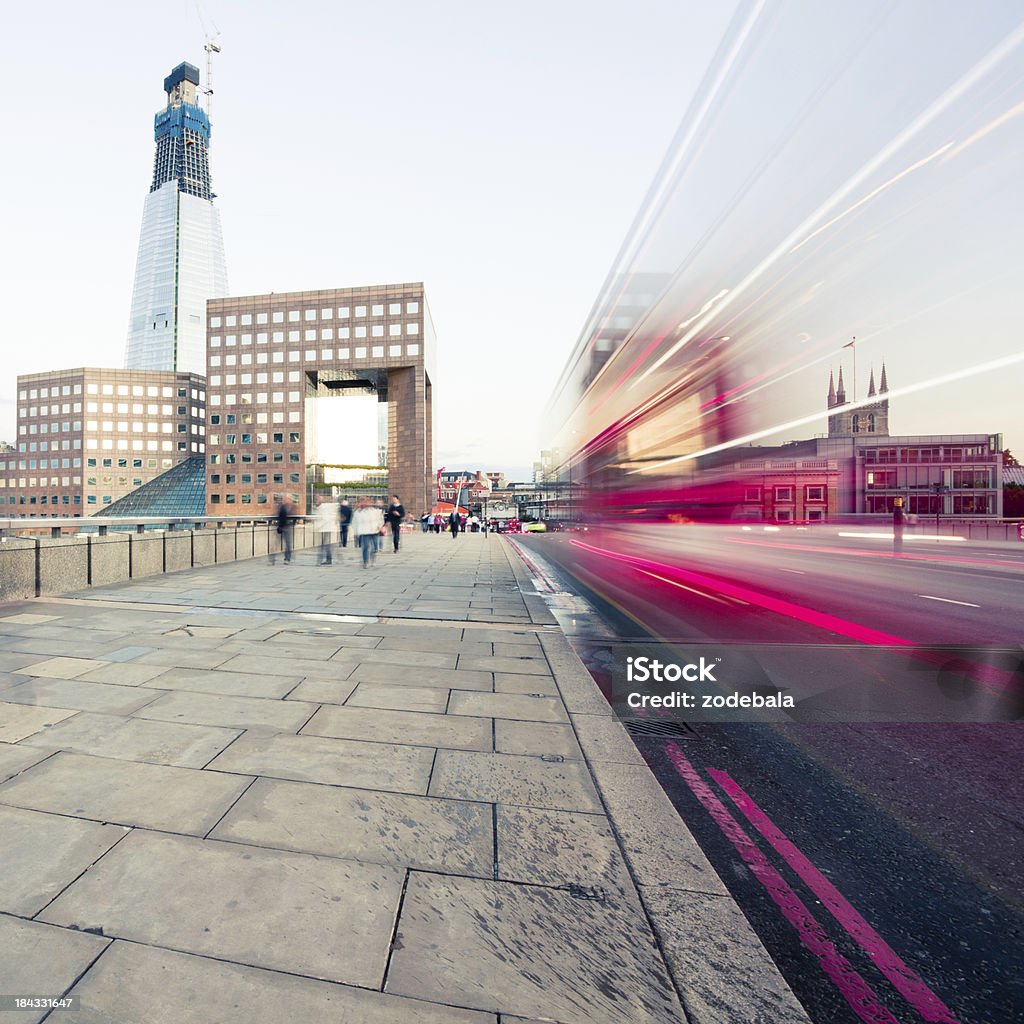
181 249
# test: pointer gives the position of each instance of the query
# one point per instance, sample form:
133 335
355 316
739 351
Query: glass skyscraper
181 249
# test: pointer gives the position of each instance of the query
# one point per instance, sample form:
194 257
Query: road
881 862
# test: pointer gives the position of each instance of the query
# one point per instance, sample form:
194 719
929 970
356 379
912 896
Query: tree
1008 458
1013 501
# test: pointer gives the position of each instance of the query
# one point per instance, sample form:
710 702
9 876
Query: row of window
812 492
67 427
261 417
41 464
312 334
246 478
295 315
261 438
247 499
933 453
137 409
75 499
310 355
229 458
124 444
54 410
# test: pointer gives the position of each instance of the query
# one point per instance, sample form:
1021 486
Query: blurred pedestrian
454 522
394 518
367 523
283 521
344 519
324 523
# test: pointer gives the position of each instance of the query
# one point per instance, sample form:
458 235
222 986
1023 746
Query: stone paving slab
397 830
41 960
308 668
399 698
61 668
123 674
405 659
536 738
233 712
196 990
449 678
467 646
136 739
723 970
228 684
43 853
334 762
523 666
412 727
19 721
513 779
80 695
126 792
171 658
505 682
315 916
520 706
322 691
531 951
14 759
559 848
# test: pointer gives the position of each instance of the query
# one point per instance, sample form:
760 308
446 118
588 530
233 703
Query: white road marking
947 600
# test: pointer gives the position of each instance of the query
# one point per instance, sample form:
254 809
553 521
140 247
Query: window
395 309
751 493
814 492
783 493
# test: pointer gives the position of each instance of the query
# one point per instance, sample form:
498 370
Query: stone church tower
867 419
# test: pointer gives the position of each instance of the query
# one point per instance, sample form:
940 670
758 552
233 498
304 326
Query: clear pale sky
495 152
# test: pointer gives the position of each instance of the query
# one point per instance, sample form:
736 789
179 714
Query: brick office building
267 354
87 437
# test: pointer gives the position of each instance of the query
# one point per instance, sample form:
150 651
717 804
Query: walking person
283 520
394 518
367 522
344 519
324 522
454 522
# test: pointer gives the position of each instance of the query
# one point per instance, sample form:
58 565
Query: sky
497 153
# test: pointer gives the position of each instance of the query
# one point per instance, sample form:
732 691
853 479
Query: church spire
831 390
871 384
841 389
884 384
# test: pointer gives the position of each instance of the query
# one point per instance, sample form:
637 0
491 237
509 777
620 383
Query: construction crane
211 48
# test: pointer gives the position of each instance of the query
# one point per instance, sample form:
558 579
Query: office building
87 437
269 355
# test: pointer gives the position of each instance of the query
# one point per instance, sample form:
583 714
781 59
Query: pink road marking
854 989
774 604
906 982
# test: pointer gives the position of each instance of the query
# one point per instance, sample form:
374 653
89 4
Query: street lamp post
939 490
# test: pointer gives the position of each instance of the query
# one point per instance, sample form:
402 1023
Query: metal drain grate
643 727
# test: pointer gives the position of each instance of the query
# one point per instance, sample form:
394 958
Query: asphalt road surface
881 862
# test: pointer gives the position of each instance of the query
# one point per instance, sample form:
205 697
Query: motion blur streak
854 989
906 982
858 552
773 604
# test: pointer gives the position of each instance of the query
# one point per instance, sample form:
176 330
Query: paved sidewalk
254 793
